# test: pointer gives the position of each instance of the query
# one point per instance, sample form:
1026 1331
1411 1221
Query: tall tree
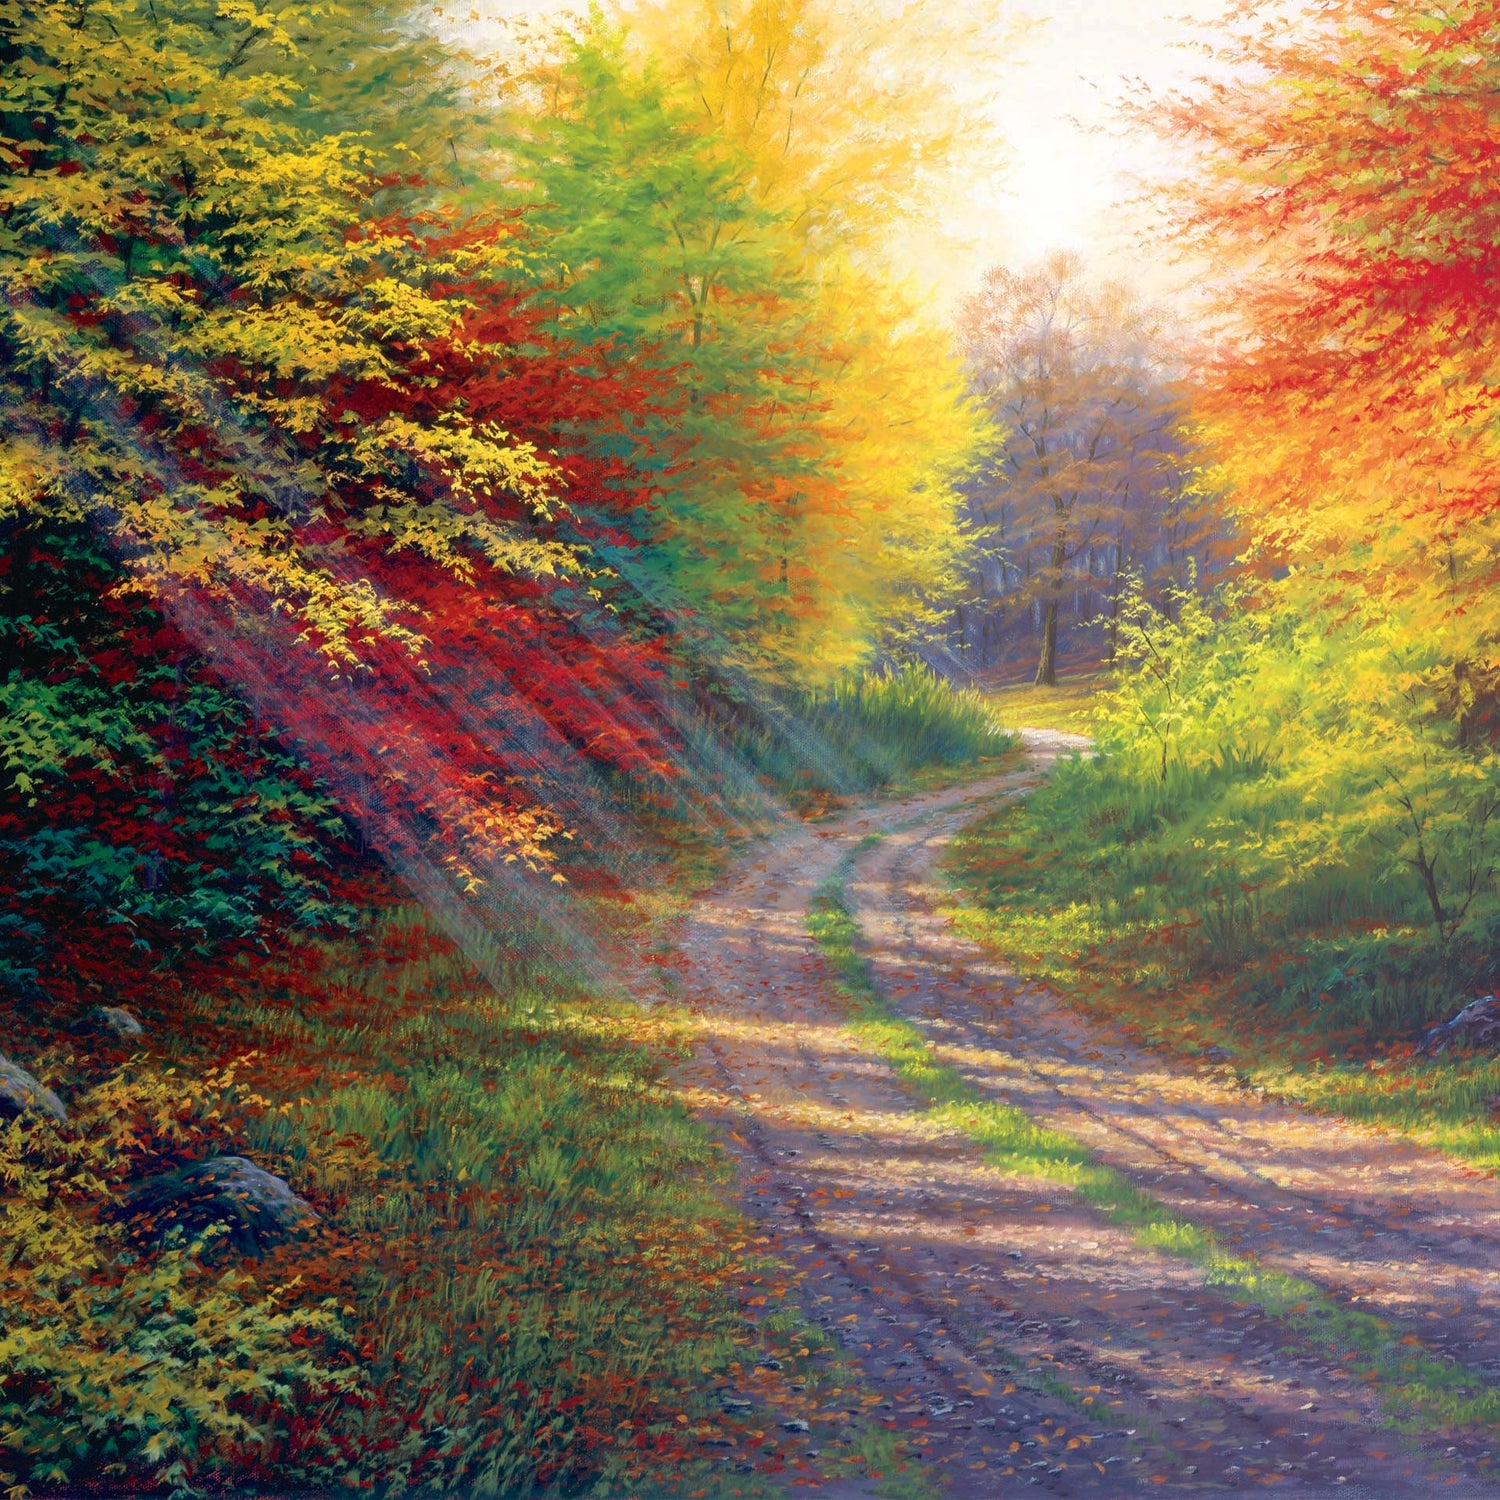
805 494
1092 470
355 494
1346 195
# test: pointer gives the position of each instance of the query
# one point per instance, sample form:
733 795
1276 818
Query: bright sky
1070 165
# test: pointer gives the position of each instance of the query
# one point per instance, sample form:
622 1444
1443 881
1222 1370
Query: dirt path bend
1012 1333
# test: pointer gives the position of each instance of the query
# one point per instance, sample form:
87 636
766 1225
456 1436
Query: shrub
115 1363
1280 801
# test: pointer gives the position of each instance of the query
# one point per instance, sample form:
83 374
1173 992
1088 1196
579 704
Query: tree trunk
1046 667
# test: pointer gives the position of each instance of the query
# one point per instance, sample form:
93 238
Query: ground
1059 1260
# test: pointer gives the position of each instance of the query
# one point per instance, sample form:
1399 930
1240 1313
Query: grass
877 731
1416 1390
1026 706
524 1242
542 1282
1102 888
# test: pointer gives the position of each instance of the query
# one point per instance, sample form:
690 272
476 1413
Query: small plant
115 1363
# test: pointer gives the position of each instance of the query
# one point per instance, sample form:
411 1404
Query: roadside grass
542 1283
1416 1390
881 731
1068 706
534 1284
1101 888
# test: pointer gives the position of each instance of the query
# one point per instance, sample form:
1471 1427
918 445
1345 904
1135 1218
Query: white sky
1070 165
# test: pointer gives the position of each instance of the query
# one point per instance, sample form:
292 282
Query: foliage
112 1363
147 813
284 414
1096 475
852 120
805 480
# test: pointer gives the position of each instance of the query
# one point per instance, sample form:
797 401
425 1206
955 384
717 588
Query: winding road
1015 1336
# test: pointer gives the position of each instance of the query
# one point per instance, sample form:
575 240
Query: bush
114 1363
1278 801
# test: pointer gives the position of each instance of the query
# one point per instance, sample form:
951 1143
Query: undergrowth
116 1364
1108 889
524 1281
1286 850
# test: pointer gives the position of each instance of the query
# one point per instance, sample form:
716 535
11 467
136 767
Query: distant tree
1094 478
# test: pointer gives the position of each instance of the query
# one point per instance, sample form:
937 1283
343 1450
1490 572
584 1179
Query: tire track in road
1009 1331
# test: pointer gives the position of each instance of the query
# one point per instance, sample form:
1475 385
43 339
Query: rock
1476 1026
114 1020
21 1093
259 1211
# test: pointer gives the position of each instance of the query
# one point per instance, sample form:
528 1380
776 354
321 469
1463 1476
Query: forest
467 486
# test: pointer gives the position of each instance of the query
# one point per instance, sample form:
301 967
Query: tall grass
1162 885
869 732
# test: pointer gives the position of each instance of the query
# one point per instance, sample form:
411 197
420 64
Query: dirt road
1019 1338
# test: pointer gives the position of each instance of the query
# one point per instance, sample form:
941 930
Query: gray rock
21 1093
1475 1027
257 1210
112 1019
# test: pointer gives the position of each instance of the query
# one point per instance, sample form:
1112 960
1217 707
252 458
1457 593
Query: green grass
544 1277
1416 1390
1115 892
871 732
526 1224
1067 706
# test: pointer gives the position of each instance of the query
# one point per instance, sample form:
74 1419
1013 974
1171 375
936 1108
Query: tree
1093 474
805 493
848 116
1343 710
1345 196
354 494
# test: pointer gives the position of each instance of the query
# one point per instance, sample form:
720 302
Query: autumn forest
643 852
